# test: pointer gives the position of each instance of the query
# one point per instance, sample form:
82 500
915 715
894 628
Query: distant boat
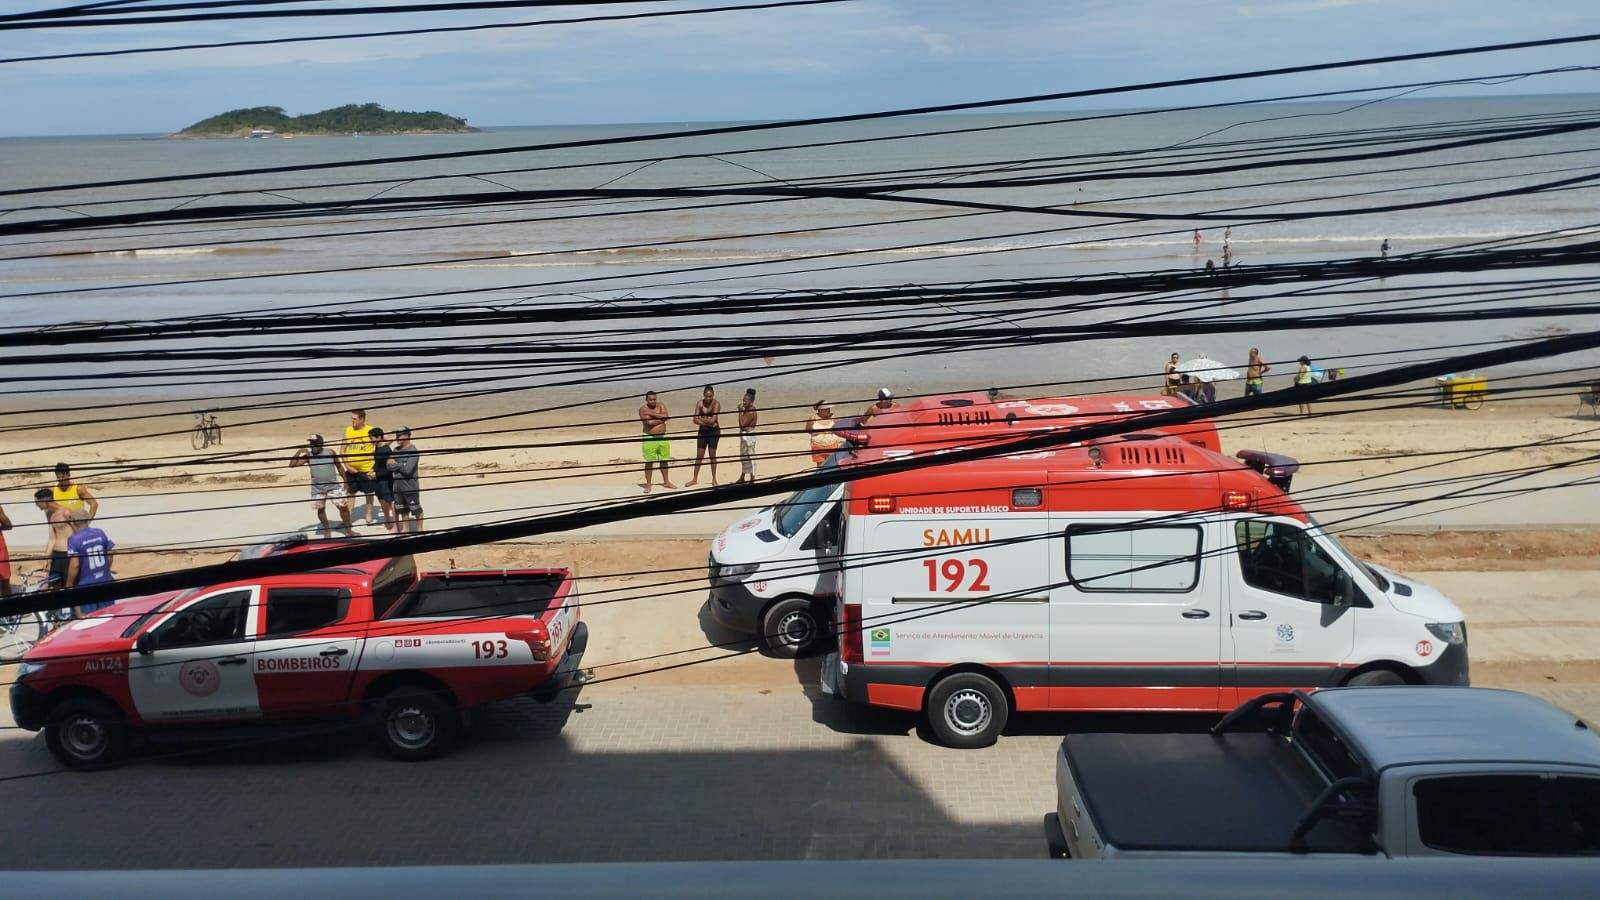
262 132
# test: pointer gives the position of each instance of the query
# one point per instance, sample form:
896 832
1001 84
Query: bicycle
206 431
20 631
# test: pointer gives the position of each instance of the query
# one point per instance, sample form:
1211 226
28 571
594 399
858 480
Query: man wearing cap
327 481
402 466
884 404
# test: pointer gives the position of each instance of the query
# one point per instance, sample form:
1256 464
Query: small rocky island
351 119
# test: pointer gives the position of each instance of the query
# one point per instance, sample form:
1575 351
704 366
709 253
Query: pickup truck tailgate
1235 792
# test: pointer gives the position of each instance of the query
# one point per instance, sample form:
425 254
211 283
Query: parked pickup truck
1364 771
375 644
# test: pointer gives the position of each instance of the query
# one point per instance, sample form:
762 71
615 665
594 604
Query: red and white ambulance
407 652
1143 572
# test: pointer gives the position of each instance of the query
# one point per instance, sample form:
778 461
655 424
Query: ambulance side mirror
1344 590
145 643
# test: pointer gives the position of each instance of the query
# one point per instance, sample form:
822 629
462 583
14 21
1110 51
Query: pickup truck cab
1366 772
375 643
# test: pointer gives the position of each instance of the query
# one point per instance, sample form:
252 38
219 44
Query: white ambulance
775 574
1142 572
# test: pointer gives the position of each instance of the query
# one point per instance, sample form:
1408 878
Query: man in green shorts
657 449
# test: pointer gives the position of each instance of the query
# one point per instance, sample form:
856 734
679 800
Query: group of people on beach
707 419
1201 387
77 553
370 465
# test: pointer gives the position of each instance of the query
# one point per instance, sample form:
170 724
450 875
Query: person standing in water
1197 240
1383 251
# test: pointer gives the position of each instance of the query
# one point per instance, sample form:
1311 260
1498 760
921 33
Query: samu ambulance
775 574
1146 571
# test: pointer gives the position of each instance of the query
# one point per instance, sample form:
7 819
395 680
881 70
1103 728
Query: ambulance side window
1282 558
1112 557
294 610
826 534
217 618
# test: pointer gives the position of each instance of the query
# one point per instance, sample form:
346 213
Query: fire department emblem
200 677
1286 632
1424 648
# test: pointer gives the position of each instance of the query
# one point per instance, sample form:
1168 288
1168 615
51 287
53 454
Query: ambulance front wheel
967 710
792 628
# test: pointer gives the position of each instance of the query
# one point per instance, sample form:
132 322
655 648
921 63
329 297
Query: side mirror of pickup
145 643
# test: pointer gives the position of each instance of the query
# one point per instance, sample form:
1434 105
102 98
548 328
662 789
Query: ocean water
586 251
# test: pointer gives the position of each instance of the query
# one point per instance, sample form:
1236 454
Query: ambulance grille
978 417
1151 456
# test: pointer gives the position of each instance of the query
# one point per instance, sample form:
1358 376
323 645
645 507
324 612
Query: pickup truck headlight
1449 632
28 668
740 570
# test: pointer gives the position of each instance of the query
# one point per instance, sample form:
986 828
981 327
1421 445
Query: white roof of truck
1397 726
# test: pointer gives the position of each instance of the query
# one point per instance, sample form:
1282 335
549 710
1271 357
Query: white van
1144 572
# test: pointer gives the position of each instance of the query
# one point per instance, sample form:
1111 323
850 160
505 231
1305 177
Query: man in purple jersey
89 562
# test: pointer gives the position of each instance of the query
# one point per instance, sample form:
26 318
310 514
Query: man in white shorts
327 482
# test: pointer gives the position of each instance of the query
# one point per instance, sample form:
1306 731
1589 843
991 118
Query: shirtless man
59 518
885 403
657 449
1253 372
708 416
748 417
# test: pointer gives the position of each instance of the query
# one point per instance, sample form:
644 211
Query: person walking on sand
382 479
657 449
359 462
402 466
5 555
59 519
327 482
1303 377
1174 381
90 553
70 495
1254 371
819 428
747 436
708 418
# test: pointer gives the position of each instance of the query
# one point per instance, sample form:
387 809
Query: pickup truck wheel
967 710
791 628
85 734
1376 678
412 723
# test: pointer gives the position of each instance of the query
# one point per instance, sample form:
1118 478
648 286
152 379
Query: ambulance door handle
231 661
1197 614
1252 615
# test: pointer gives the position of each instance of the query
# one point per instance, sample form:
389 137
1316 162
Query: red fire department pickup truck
408 652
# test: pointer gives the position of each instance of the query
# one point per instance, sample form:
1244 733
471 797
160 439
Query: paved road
627 773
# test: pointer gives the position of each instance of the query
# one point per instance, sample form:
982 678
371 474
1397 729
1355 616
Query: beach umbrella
1203 368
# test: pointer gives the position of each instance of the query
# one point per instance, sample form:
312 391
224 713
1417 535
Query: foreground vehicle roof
1397 726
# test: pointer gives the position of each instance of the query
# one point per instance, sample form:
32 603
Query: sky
767 64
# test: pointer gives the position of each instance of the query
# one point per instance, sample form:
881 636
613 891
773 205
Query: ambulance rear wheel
792 628
414 723
967 710
85 734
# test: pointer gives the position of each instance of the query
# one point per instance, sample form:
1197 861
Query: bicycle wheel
199 438
18 634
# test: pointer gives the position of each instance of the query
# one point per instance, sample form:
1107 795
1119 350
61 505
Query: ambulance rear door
1136 620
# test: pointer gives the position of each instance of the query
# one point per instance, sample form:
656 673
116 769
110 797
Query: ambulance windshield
792 514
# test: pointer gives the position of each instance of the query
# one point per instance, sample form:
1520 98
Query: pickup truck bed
1167 791
478 594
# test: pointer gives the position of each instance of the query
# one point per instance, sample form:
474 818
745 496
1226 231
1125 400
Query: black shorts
708 437
59 560
384 488
357 483
408 503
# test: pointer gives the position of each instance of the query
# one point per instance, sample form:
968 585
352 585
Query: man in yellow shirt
359 477
72 496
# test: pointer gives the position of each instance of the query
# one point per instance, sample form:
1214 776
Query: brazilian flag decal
880 635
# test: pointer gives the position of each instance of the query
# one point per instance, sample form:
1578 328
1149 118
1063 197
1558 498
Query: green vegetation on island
353 118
